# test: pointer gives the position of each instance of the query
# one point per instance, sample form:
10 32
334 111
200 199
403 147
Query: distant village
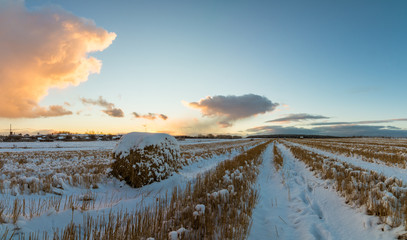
70 137
58 137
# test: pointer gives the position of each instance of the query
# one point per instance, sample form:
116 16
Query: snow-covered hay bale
143 158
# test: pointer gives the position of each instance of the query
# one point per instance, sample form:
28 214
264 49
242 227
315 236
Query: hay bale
143 158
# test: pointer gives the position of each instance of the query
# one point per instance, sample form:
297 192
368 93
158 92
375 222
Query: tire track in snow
269 215
286 208
306 213
294 204
318 212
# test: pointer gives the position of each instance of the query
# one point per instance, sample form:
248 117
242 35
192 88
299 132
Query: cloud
225 124
53 111
365 130
110 108
42 49
230 108
337 130
114 112
360 122
163 117
99 102
297 117
281 130
151 116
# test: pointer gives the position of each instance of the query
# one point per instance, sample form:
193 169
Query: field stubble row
83 169
51 172
218 203
381 196
385 154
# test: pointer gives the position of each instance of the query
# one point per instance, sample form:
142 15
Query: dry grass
227 194
382 196
278 159
144 166
33 173
387 142
194 152
5 235
152 164
13 209
48 172
389 152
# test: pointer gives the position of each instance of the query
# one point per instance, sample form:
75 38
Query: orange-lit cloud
228 109
110 108
151 116
42 49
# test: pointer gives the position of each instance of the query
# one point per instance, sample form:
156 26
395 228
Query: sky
199 67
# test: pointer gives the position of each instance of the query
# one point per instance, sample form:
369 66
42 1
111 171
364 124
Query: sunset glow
199 68
214 119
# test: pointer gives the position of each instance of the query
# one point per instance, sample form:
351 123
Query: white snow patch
200 208
140 140
173 235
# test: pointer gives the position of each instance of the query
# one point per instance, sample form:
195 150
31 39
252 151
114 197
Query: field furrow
26 212
288 189
383 169
295 204
389 155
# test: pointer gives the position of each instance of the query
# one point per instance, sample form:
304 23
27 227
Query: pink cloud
43 49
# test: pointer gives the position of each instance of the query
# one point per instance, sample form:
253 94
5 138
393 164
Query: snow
111 194
140 140
88 145
294 204
150 156
383 169
56 146
189 141
200 208
173 235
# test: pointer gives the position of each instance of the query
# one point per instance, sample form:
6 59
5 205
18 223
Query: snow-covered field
296 204
320 189
84 145
56 146
41 183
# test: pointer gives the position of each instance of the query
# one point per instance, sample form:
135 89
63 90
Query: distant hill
290 136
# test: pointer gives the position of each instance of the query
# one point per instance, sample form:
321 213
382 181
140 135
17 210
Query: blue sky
345 60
